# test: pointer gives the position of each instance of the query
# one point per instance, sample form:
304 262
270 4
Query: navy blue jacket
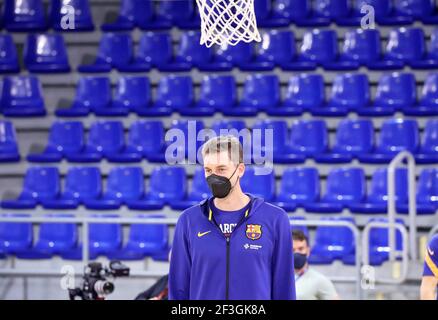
254 263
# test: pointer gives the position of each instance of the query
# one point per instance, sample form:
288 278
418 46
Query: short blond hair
227 143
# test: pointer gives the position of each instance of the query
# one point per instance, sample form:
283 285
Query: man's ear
241 169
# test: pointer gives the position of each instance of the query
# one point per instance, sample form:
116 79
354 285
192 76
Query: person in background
429 281
309 283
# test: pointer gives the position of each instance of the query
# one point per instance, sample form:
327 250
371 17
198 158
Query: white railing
404 155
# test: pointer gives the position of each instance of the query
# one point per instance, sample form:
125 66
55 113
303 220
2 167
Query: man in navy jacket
233 245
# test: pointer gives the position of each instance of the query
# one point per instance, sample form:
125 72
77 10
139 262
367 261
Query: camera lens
103 287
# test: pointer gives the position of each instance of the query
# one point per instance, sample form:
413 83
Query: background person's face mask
220 186
300 260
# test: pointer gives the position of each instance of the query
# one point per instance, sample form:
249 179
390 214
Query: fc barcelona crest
253 231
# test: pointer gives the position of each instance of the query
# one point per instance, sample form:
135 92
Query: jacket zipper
228 240
227 290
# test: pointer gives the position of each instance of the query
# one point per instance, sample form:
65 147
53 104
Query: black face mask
300 260
220 186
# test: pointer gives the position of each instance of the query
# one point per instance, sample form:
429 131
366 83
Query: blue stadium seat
8 55
190 53
345 186
8 143
427 189
248 104
175 93
379 242
309 137
408 46
423 10
167 185
146 138
333 242
145 240
305 92
115 51
353 138
82 21
350 92
176 13
40 183
226 57
133 93
217 93
319 12
377 197
54 239
395 92
24 15
294 226
105 105
105 139
154 50
131 14
361 47
124 184
298 186
428 152
81 184
320 48
15 237
382 12
280 149
265 17
288 11
198 192
46 53
260 92
395 135
432 53
180 142
428 102
404 46
331 9
65 137
224 127
92 94
22 96
259 183
104 239
276 50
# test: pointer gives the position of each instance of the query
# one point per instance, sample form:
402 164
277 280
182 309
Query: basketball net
227 22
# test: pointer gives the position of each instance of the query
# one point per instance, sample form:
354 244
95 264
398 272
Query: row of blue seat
319 48
336 243
261 92
61 239
30 15
22 96
43 53
304 93
306 139
346 188
105 239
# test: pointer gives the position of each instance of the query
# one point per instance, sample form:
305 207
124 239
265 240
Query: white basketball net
227 22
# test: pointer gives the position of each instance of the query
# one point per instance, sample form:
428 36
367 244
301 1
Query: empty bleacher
85 111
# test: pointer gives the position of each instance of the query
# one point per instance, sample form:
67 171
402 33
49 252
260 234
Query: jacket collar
254 202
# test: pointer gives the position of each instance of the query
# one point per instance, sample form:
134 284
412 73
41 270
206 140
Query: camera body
95 284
